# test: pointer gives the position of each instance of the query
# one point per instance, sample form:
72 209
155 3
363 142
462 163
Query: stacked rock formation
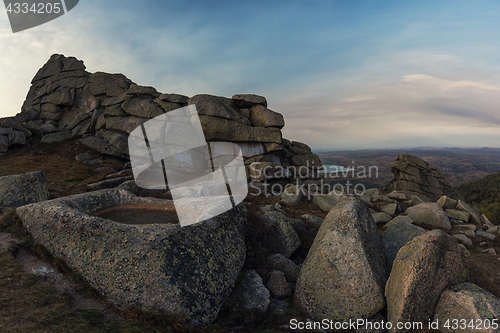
414 175
65 101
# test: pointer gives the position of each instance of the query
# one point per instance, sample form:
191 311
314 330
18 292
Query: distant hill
485 193
459 165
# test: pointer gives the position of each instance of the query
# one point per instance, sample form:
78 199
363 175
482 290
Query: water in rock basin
139 214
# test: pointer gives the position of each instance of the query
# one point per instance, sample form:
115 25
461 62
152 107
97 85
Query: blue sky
345 73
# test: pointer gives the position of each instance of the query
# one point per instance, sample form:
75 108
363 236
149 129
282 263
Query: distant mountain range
460 165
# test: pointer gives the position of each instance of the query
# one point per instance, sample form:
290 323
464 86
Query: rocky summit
404 254
65 101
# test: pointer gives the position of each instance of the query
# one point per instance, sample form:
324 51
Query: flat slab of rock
474 216
429 214
19 190
469 302
161 266
343 275
423 268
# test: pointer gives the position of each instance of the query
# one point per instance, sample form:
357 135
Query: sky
346 74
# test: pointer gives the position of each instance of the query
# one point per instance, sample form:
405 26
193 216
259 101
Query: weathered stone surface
326 201
413 174
278 285
95 143
485 234
343 275
277 307
116 100
142 107
397 195
167 106
469 302
285 265
124 124
286 240
174 98
252 293
56 137
115 110
4 143
263 117
11 123
316 220
474 216
50 112
107 84
83 156
142 90
395 237
429 214
291 195
216 106
390 208
60 97
216 128
458 215
398 219
310 160
485 220
463 239
248 100
381 217
447 203
19 190
270 134
149 260
51 67
423 268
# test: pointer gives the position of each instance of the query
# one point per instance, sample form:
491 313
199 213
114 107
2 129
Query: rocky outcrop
343 276
423 268
414 175
186 271
19 190
103 109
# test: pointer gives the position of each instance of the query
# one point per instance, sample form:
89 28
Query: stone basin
140 213
187 271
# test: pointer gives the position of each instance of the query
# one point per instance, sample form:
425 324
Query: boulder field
399 254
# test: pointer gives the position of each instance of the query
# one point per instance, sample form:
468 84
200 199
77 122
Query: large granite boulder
187 271
423 268
395 237
19 190
429 214
343 275
468 302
